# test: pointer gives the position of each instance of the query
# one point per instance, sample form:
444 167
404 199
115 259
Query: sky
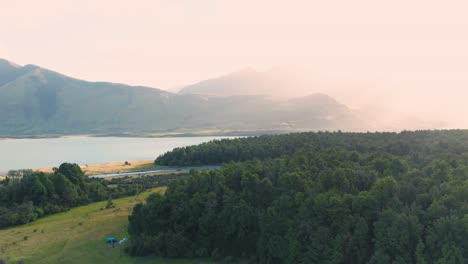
412 53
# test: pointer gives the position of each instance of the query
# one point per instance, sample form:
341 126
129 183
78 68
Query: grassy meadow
76 236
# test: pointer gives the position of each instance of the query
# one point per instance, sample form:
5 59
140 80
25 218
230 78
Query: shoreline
112 167
105 168
202 133
45 136
117 169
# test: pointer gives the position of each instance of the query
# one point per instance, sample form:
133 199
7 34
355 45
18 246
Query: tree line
314 198
410 144
26 195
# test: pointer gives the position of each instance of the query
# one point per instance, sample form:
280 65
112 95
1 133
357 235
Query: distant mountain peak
31 66
234 83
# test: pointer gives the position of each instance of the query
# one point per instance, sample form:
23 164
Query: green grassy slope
76 236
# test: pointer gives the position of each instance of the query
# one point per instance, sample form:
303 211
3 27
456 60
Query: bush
110 204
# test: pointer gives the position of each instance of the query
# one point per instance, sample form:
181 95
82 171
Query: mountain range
38 101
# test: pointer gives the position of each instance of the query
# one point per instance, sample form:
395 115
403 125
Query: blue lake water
51 152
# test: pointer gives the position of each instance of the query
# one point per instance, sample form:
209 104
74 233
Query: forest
325 197
30 195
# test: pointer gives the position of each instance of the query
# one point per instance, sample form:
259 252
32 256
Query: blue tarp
111 240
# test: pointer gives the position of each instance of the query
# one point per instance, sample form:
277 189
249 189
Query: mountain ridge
35 101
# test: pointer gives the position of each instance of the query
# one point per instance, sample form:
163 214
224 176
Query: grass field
76 236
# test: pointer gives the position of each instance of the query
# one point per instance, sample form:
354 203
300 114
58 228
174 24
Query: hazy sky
417 50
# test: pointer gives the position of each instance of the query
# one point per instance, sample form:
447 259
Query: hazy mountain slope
277 82
36 101
314 111
243 82
284 82
376 108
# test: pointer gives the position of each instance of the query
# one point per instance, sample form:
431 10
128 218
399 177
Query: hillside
76 236
38 101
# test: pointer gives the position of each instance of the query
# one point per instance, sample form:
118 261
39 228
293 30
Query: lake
51 152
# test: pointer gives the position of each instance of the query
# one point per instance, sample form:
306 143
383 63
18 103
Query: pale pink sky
416 49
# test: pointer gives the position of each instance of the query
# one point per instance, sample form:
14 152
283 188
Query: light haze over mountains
400 63
38 101
385 108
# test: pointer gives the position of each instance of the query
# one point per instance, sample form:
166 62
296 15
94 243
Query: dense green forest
425 145
36 194
314 198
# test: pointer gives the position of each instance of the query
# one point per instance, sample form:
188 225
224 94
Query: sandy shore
112 167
